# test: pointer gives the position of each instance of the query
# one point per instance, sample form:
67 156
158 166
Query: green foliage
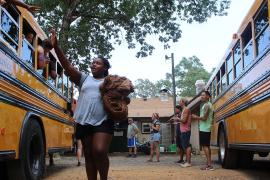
187 72
145 88
97 26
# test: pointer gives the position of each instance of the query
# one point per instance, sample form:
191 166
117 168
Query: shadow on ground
259 169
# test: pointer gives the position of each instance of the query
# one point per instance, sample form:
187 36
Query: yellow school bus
35 109
240 88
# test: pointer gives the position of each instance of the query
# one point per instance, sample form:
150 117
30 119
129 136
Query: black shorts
205 138
178 139
82 131
185 140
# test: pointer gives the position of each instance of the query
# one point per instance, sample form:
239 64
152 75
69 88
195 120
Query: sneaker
134 155
180 161
186 164
209 168
129 155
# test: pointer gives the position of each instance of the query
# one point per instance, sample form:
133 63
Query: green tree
186 73
144 88
97 26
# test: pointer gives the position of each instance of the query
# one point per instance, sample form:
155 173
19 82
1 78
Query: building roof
139 107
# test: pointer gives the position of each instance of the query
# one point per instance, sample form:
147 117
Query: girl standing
155 137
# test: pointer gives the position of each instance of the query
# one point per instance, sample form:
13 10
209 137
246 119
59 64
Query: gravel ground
123 168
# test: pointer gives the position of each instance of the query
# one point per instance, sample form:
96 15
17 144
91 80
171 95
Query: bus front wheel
227 157
31 164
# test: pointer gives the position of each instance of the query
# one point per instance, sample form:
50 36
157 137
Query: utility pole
173 79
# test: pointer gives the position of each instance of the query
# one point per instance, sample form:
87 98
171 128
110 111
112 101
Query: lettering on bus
6 65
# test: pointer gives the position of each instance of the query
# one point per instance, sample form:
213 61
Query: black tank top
156 122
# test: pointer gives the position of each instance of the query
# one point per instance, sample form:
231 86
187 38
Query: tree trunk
67 20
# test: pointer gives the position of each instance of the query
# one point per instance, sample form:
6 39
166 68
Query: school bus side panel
58 134
251 125
11 118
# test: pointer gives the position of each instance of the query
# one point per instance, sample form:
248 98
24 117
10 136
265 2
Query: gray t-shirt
90 109
132 129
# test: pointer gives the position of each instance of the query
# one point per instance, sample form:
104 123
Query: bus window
214 88
59 78
210 88
65 82
10 26
52 70
70 89
218 83
247 46
237 59
229 62
27 53
223 77
43 57
262 30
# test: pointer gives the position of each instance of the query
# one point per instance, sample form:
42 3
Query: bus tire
227 157
31 164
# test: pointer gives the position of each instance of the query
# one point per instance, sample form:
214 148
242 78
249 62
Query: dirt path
123 168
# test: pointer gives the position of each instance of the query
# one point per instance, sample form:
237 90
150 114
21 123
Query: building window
262 30
146 128
247 46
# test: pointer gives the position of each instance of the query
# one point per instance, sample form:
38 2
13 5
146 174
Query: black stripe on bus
250 88
30 70
53 150
31 91
251 147
7 155
240 108
13 101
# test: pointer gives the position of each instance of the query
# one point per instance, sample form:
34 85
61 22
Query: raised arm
205 114
71 71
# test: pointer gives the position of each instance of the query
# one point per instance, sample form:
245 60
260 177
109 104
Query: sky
208 41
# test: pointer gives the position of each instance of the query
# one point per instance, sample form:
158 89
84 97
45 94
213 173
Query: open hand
53 37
